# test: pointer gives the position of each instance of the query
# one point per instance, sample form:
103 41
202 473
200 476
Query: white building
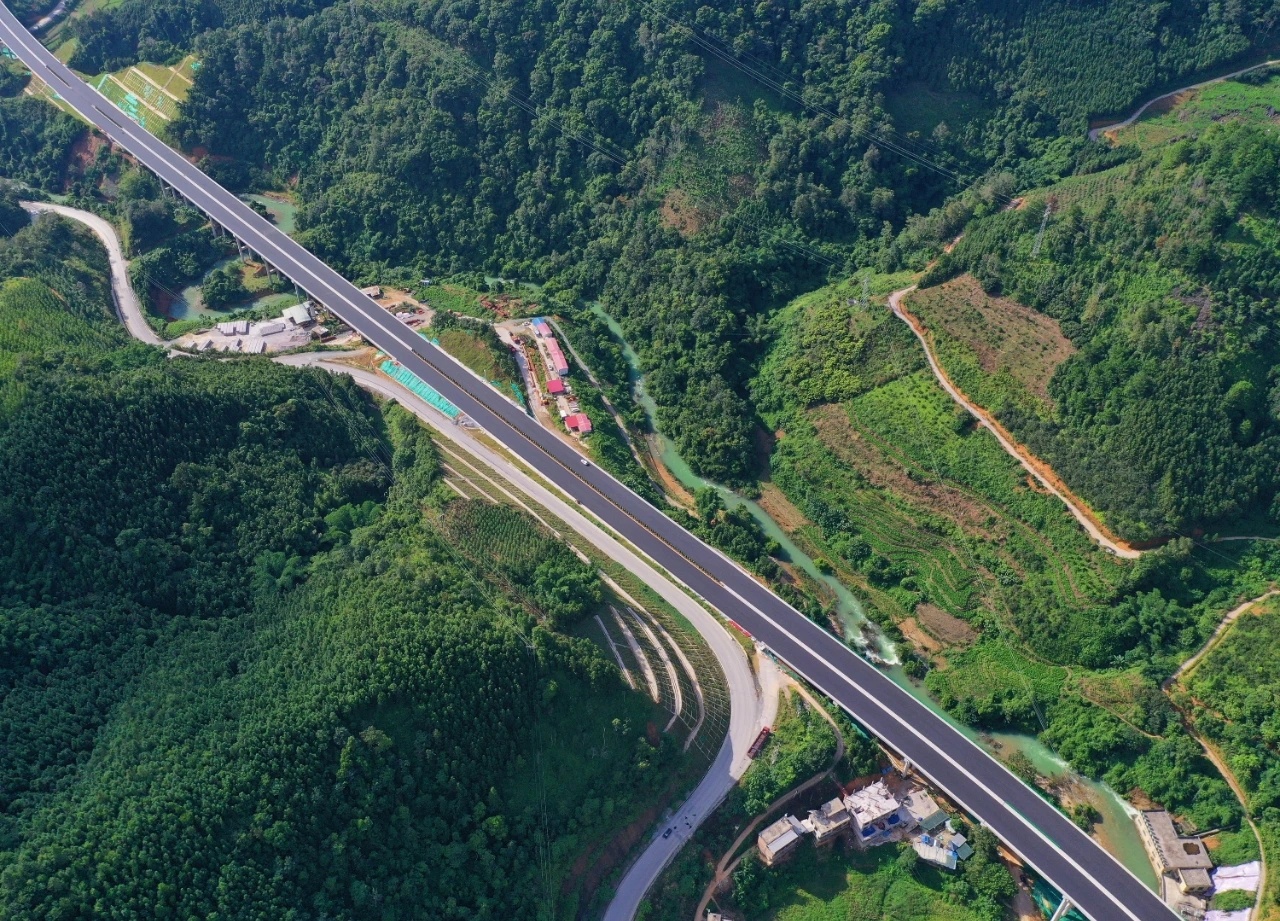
827 821
923 810
779 839
875 813
299 314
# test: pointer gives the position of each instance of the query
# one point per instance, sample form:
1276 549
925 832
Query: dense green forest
1164 275
606 151
242 674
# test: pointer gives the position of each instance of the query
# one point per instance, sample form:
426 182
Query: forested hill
244 672
693 200
1163 273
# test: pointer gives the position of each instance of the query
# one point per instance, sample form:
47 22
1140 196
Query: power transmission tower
1044 222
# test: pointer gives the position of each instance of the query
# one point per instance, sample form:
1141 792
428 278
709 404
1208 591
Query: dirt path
1211 752
1232 616
727 863
1095 133
1043 474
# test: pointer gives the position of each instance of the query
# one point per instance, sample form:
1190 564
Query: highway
1071 861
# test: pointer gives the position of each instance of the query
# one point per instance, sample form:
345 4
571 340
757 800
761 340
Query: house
541 329
299 314
1184 860
924 810
828 821
778 840
555 386
875 813
578 422
558 363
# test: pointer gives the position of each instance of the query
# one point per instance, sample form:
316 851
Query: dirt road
1032 464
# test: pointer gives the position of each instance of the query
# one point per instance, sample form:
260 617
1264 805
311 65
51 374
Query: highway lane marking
164 154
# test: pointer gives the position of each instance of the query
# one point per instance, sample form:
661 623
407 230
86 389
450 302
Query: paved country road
127 305
1059 851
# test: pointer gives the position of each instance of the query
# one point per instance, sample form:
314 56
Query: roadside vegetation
1231 699
242 584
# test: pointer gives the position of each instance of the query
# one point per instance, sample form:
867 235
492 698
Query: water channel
1116 830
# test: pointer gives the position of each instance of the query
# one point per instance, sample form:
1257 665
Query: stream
1116 830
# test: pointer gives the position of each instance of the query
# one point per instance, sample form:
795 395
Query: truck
761 741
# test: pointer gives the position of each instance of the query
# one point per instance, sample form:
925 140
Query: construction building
875 813
923 810
1183 860
780 839
828 822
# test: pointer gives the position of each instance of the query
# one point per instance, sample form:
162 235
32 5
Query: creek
1116 830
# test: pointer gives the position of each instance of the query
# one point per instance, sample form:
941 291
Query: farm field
150 94
993 348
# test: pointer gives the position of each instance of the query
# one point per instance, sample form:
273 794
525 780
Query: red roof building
578 422
555 386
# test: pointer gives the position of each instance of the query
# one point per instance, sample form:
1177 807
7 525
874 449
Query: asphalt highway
1076 865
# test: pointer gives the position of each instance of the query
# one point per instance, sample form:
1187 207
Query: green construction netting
421 388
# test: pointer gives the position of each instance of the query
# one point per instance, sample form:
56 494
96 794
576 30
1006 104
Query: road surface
1095 133
1071 861
128 307
1081 515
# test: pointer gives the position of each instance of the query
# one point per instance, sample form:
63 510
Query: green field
875 885
150 94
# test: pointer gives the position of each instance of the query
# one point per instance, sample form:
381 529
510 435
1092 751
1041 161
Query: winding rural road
1062 854
128 307
1095 133
1011 447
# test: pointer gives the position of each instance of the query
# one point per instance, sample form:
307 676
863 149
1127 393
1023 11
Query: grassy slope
924 512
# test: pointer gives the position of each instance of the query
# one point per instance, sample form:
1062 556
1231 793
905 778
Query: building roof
939 856
871 804
828 818
924 809
777 837
555 385
1176 852
1195 880
298 314
578 422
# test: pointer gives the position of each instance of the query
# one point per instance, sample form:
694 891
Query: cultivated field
992 345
